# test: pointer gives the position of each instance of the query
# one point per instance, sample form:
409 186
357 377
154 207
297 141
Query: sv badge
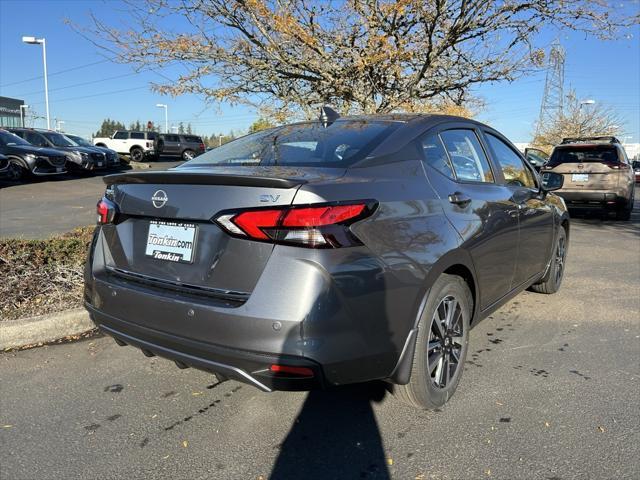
266 198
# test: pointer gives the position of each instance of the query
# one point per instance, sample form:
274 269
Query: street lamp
41 41
59 125
587 102
166 116
23 113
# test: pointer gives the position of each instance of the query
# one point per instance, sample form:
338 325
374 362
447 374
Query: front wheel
441 345
16 171
555 273
137 154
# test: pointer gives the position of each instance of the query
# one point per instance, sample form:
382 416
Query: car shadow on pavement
335 435
606 222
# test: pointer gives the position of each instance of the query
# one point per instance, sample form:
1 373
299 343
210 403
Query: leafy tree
189 131
358 55
181 127
108 127
578 120
260 124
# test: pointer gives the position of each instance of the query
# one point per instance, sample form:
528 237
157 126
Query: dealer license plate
171 241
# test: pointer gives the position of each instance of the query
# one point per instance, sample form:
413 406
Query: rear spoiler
201 178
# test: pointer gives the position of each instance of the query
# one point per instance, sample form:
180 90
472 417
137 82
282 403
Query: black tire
137 155
16 171
188 155
552 280
429 387
625 212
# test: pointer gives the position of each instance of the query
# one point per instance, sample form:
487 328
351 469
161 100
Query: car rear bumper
347 330
244 366
592 198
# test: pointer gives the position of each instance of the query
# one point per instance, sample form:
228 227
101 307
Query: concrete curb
43 328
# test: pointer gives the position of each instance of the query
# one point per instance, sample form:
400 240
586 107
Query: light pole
166 116
23 113
41 41
586 102
220 140
583 103
59 125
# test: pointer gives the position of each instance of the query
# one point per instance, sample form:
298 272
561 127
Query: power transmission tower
552 99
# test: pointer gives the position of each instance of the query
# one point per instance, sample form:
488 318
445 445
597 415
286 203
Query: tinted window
137 135
172 138
340 144
58 139
121 135
79 140
35 139
7 138
582 154
513 168
192 139
435 155
151 135
468 159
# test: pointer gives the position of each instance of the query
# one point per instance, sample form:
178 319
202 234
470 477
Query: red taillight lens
322 226
252 223
106 211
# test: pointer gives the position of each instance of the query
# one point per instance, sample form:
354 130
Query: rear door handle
460 199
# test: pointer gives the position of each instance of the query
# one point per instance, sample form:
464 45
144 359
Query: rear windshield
192 139
585 154
340 144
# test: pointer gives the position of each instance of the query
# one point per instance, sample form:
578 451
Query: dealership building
10 112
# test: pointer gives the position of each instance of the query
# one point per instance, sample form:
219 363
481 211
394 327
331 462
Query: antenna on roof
328 115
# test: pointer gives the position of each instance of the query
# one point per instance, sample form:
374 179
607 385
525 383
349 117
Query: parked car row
151 145
45 152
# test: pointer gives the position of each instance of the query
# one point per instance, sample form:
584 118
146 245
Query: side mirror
552 181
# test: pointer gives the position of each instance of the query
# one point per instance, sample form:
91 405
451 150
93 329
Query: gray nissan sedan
325 253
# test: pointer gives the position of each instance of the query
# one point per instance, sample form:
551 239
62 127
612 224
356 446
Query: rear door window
192 139
435 155
513 168
467 157
172 138
137 135
35 139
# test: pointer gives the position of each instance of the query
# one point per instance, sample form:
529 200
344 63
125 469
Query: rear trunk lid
166 235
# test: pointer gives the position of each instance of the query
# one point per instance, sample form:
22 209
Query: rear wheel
441 346
136 154
553 278
188 155
624 213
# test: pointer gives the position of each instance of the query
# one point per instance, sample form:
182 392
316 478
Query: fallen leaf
389 461
488 472
420 476
7 426
498 403
195 394
165 457
547 424
185 444
260 477
601 429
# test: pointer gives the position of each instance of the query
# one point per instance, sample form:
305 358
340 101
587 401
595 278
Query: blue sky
607 72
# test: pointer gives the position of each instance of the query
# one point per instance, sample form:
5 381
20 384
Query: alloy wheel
445 342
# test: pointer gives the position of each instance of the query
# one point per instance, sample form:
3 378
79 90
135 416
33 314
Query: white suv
136 144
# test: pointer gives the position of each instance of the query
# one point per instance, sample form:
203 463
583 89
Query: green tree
189 130
108 127
181 127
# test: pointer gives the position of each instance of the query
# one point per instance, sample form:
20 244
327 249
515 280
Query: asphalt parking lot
44 206
550 391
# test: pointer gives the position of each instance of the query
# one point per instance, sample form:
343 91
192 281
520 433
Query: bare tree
578 120
359 55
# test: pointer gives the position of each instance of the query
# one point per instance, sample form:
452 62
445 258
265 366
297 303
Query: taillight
315 226
106 211
202 147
